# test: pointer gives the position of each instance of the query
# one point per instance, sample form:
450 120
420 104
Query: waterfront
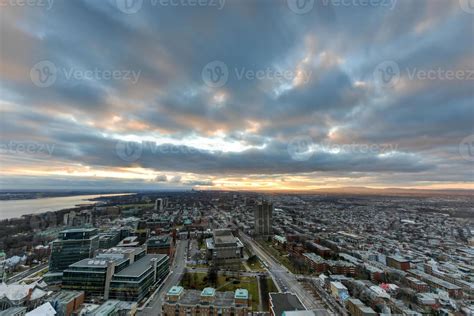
17 208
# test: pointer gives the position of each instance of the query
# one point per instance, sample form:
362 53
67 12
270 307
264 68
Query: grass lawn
271 286
282 258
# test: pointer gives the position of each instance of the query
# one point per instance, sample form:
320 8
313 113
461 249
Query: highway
176 273
283 278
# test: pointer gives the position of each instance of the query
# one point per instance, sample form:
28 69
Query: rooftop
241 294
285 302
208 291
139 267
176 290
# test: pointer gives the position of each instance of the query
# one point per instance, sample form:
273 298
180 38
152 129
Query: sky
243 95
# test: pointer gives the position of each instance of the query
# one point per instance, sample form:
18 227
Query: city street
283 278
176 273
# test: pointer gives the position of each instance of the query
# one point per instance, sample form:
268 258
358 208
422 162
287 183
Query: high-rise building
263 218
160 204
71 246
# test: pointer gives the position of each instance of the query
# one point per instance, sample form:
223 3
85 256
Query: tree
212 275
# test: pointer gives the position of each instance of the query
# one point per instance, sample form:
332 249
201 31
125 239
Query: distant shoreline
34 195
17 208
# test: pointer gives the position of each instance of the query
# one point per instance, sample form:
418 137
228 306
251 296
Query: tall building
71 246
263 219
160 204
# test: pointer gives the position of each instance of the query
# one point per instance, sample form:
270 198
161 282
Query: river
17 208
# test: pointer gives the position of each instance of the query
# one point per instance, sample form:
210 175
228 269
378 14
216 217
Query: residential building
263 219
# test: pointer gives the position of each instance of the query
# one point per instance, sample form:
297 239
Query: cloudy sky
214 94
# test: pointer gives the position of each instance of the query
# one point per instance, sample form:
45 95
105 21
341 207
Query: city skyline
218 95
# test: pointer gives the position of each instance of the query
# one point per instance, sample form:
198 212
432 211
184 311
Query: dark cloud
337 47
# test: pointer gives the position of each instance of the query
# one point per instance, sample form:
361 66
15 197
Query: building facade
207 302
224 249
71 246
263 219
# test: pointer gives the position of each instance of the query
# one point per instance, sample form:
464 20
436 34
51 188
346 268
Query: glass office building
71 246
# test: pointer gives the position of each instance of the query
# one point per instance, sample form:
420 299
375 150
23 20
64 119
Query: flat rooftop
281 302
193 297
96 262
139 267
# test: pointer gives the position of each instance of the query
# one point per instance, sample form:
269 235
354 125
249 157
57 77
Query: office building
224 249
71 246
207 302
263 219
135 281
119 273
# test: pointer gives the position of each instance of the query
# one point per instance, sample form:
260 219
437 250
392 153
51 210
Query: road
283 278
23 275
176 273
229 273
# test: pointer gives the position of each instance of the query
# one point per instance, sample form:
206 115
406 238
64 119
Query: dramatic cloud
236 94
